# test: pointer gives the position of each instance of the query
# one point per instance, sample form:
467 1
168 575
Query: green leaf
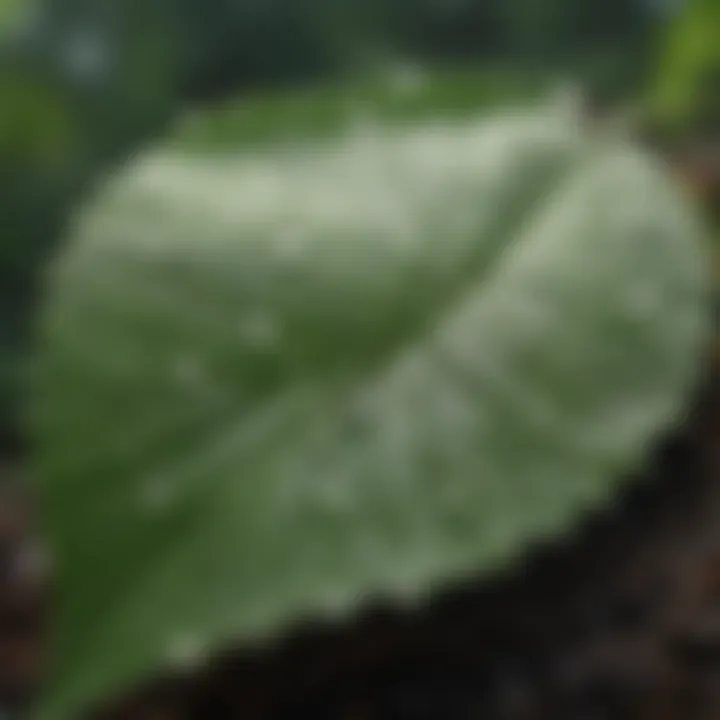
686 91
400 92
9 11
276 383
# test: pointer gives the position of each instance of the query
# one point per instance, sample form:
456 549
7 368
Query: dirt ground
619 621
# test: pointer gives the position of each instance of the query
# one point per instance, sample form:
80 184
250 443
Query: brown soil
698 167
620 621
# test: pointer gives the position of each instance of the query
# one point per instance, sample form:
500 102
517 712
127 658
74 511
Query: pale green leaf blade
274 385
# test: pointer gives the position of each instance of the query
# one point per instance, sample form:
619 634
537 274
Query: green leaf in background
275 383
38 154
687 92
78 90
37 125
9 13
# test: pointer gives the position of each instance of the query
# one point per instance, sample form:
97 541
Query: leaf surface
275 384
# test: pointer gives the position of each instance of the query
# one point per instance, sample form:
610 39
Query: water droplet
365 130
86 55
335 496
260 330
359 421
31 563
644 300
156 495
335 602
189 372
406 78
291 244
570 98
184 651
466 222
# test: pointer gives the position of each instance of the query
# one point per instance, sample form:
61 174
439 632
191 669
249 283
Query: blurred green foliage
78 91
687 93
8 12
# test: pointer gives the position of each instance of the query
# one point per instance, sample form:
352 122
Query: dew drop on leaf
260 330
188 371
31 563
335 496
644 300
156 495
184 651
407 78
86 56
